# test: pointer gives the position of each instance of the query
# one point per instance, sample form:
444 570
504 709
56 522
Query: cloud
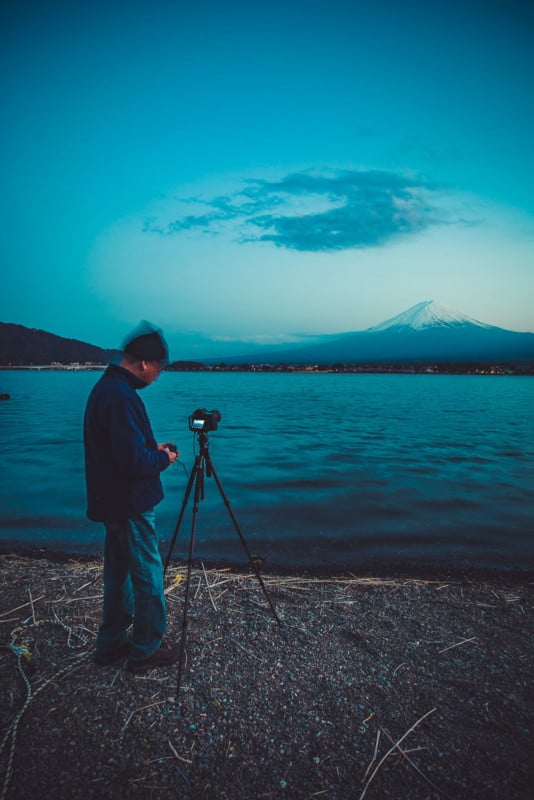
313 212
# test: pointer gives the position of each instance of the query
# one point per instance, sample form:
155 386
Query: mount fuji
427 314
427 331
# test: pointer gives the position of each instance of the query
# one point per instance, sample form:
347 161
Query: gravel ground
375 687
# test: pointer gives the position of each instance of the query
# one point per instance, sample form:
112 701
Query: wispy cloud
314 212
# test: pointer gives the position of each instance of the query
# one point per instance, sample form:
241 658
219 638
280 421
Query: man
123 463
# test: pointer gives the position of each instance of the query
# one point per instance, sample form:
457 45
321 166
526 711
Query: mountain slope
425 332
26 346
23 346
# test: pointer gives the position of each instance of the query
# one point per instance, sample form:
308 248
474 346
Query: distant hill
426 332
20 346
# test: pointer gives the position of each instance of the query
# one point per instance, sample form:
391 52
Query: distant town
445 368
379 368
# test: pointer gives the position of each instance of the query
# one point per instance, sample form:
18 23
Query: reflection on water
337 470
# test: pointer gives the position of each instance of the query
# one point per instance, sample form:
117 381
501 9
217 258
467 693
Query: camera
202 420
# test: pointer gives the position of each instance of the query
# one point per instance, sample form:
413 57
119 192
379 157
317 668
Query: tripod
204 465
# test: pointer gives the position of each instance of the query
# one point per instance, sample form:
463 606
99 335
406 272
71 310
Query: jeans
133 588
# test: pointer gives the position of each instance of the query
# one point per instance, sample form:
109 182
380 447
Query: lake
333 471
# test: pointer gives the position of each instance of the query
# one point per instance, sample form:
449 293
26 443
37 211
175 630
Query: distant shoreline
54 367
503 369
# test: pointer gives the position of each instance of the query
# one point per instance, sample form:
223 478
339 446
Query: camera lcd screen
198 424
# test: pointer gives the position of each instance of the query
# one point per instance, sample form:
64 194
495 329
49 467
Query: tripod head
203 440
200 422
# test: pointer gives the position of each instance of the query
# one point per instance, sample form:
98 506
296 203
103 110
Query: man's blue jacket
122 460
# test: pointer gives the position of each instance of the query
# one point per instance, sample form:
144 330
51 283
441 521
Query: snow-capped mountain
427 314
426 332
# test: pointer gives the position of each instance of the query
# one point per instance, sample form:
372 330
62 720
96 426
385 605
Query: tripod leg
198 492
182 511
211 470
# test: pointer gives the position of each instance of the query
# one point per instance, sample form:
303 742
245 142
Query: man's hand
171 451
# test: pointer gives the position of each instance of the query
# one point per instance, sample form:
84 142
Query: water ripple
320 469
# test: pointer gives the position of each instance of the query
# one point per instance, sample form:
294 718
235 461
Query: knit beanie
148 347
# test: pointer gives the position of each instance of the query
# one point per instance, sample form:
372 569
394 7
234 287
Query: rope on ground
69 631
22 651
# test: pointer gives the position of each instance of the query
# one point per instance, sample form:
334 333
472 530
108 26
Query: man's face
154 369
149 371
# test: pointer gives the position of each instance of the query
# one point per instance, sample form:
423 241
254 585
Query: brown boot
166 654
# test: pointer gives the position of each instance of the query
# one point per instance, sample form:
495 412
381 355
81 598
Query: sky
264 171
